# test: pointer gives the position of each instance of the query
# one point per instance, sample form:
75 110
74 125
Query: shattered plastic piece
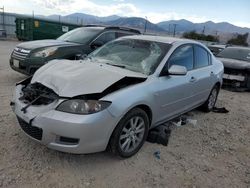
191 121
157 154
220 110
177 124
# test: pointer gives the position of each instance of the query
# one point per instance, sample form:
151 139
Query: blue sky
235 12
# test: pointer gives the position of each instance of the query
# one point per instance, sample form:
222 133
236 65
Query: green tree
197 36
239 40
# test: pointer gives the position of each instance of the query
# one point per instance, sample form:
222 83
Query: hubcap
212 98
132 134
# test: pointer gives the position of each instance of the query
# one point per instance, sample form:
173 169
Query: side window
119 34
201 57
183 56
106 37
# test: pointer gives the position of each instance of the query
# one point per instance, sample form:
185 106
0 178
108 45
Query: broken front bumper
236 79
64 131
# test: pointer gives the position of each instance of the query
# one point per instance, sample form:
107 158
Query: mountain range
223 29
208 27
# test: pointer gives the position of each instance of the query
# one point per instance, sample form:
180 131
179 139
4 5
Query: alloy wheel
132 134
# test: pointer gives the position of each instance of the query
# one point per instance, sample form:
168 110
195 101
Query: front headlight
79 106
45 52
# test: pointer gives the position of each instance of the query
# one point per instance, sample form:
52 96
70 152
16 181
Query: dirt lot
213 153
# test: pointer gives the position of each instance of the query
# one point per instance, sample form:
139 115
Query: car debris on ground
161 134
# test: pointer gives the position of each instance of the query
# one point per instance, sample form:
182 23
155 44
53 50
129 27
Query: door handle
192 79
211 73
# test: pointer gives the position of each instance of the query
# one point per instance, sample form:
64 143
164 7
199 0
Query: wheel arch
145 108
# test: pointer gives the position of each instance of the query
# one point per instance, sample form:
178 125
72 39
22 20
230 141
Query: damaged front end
42 114
236 79
35 94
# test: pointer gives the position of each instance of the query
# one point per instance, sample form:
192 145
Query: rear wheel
210 102
130 133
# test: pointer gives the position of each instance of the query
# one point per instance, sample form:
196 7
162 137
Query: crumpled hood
44 43
72 78
235 64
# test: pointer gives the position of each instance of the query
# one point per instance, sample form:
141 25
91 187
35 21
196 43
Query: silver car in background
115 95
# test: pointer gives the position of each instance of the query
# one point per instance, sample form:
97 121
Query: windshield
80 35
236 53
136 55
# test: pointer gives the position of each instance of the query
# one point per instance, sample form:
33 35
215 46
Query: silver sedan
116 94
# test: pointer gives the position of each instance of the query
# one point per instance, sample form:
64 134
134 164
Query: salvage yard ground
213 153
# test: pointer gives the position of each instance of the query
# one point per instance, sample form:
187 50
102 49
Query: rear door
202 74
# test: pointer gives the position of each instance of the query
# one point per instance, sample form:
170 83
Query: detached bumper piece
32 131
159 135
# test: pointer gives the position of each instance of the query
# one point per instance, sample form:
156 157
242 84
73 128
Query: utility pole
174 29
169 29
3 17
145 26
33 14
203 31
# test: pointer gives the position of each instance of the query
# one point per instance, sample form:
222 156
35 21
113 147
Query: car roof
218 45
239 47
163 39
102 27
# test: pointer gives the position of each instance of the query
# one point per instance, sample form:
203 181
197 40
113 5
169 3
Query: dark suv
27 57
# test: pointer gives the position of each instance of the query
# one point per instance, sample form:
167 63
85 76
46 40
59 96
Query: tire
211 101
130 133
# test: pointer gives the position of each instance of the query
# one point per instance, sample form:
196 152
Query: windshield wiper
116 65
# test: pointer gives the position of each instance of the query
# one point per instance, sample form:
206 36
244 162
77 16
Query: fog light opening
67 140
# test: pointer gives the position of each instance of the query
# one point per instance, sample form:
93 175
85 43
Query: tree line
238 40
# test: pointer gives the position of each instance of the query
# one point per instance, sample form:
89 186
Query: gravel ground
213 153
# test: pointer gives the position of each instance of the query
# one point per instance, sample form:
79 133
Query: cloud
242 24
120 8
117 7
157 17
87 6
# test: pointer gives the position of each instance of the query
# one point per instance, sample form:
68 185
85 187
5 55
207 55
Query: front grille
32 131
20 54
234 71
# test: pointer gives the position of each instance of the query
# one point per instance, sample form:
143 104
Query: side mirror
177 70
96 44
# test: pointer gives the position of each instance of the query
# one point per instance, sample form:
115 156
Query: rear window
236 53
80 35
119 34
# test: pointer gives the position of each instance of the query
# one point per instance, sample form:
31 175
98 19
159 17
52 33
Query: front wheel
212 98
130 133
